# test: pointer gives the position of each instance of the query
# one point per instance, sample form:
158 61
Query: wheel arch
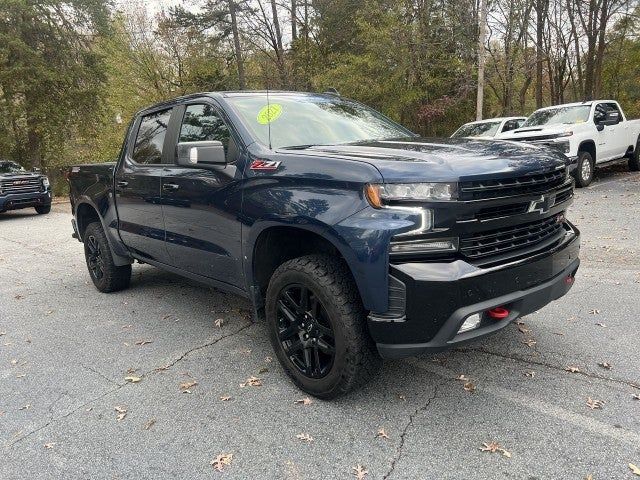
275 244
85 213
588 146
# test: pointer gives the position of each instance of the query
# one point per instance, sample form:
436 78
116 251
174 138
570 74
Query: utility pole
482 33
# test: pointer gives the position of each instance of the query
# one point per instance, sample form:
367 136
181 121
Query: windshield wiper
301 147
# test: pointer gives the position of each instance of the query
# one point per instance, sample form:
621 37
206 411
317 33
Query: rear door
201 205
137 186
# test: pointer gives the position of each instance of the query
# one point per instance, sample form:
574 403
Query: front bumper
573 163
440 296
15 201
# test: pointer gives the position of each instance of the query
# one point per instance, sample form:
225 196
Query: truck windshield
299 121
561 115
484 129
10 167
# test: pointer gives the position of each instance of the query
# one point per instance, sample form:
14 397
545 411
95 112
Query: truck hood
541 132
445 160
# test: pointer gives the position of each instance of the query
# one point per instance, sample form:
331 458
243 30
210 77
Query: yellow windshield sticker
269 113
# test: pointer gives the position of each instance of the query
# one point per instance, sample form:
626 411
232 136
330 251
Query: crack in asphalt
200 347
594 376
403 434
121 385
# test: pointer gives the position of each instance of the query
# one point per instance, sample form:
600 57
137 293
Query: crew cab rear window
150 138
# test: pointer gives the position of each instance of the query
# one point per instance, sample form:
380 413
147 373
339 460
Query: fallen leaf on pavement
132 379
572 369
2 333
143 342
187 386
219 322
605 365
523 329
636 396
402 397
252 382
601 325
122 412
559 333
14 361
25 407
594 311
268 359
304 401
305 437
469 387
382 434
635 470
463 378
49 445
529 343
149 424
263 370
221 461
530 373
594 404
225 398
494 447
359 472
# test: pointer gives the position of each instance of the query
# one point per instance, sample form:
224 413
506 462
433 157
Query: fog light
470 323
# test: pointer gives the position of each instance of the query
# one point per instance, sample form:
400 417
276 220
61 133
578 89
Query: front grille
21 185
486 189
525 236
501 211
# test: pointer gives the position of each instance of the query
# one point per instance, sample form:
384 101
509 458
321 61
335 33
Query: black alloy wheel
95 260
304 331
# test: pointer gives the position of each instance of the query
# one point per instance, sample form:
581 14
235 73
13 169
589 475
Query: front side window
304 120
202 123
150 138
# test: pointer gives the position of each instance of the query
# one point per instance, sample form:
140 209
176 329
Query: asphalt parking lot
559 393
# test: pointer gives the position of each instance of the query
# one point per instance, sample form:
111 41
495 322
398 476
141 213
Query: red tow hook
498 313
569 280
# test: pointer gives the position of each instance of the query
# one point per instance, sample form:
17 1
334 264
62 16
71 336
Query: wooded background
72 73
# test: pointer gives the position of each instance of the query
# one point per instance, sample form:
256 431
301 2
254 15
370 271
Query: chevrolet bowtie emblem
543 204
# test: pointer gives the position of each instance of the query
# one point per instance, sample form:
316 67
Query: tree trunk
482 31
294 20
236 44
541 9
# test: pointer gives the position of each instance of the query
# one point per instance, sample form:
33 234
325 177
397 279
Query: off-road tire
585 169
356 359
634 159
43 209
113 277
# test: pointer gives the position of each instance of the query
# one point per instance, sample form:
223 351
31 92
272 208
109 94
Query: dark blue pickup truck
352 236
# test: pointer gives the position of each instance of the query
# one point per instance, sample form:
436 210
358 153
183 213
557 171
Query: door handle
122 183
170 186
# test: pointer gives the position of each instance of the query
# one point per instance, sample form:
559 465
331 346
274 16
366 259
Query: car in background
592 133
20 188
489 128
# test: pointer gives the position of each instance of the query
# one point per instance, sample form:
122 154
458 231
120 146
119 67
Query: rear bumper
441 296
15 201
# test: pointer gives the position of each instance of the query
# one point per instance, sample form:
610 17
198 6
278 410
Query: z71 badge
264 165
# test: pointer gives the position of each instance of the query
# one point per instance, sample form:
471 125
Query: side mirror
600 127
36 170
194 154
613 118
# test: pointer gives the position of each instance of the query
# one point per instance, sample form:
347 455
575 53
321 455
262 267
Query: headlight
563 146
566 133
380 195
45 182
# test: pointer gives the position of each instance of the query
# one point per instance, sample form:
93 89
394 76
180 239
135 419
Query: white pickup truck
589 133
